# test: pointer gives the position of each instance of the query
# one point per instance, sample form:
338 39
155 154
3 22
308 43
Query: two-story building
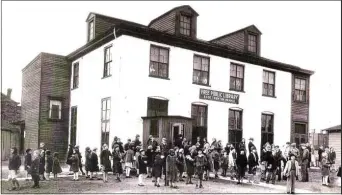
160 79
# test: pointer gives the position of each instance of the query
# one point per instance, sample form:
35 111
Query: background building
335 141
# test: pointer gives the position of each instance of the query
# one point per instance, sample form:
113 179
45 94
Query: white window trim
55 102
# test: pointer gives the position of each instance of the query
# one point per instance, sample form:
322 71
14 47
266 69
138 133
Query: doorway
176 130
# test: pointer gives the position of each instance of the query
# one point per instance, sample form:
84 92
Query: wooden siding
236 41
9 139
299 110
102 25
335 142
166 24
55 84
31 77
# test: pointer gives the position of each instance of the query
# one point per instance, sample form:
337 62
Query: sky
305 34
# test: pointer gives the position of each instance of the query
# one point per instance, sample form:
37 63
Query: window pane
270 90
204 78
263 138
265 77
233 70
302 85
197 63
55 112
270 138
163 70
231 120
263 122
238 84
239 71
297 84
300 128
196 76
154 68
108 104
232 82
154 54
265 89
164 56
271 78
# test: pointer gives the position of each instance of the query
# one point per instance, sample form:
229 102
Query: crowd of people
174 163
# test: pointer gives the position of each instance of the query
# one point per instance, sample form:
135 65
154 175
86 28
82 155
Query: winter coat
278 157
287 168
35 167
181 163
142 164
70 151
225 162
129 156
75 163
94 162
157 166
48 163
87 160
242 147
200 162
320 151
149 155
164 149
190 164
79 158
232 159
269 158
332 157
241 161
14 162
171 167
105 161
56 167
42 163
28 162
253 161
117 166
325 167
250 146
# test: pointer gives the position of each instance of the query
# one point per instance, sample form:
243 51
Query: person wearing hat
164 151
291 171
149 165
216 161
171 168
87 153
263 164
137 141
142 159
287 150
280 162
305 164
190 167
75 164
127 144
241 163
129 157
56 167
250 144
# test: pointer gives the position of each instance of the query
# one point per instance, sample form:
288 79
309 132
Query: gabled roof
334 128
174 9
5 98
112 19
250 27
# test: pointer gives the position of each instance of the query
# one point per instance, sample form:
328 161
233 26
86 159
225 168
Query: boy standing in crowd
291 171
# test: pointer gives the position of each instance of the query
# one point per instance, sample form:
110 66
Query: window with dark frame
105 120
252 43
267 132
75 78
301 133
235 127
91 30
107 62
55 109
300 90
268 83
157 107
185 25
154 128
236 77
159 62
201 70
73 125
199 114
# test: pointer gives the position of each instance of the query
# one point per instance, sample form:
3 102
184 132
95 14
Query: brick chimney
9 92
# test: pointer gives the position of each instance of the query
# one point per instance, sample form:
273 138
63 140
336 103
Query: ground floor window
235 127
267 133
73 125
105 121
300 135
199 114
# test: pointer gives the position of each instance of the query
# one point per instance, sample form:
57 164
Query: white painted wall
130 86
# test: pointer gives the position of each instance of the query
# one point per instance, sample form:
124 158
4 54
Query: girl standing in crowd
200 163
253 160
56 167
42 164
181 163
94 164
35 168
189 160
232 162
142 159
241 162
117 158
105 162
48 164
87 161
70 151
325 169
13 167
149 155
216 161
135 159
224 164
129 157
157 167
171 168
75 165
209 163
28 162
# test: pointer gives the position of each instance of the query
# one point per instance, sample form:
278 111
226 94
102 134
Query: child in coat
224 164
28 162
171 168
291 171
149 155
35 168
181 163
201 161
190 168
129 157
48 164
241 162
105 162
216 162
56 167
87 161
143 160
253 160
325 169
209 164
232 163
74 165
157 168
13 166
117 167
94 164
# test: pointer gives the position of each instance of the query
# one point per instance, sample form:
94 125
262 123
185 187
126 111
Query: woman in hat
94 164
157 167
149 155
142 159
105 162
181 163
171 168
117 159
251 144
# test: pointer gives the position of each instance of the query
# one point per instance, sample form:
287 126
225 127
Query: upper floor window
268 83
236 77
252 43
75 78
55 109
300 90
91 30
159 62
200 115
107 62
185 25
157 107
201 70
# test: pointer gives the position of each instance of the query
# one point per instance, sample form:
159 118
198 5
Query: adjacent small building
335 140
11 129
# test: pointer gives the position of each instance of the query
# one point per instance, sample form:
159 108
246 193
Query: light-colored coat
288 167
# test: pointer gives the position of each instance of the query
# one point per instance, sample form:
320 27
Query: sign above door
219 96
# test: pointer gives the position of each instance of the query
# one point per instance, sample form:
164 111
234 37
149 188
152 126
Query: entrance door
177 129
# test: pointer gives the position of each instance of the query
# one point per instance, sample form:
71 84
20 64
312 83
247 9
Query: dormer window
185 25
91 30
252 43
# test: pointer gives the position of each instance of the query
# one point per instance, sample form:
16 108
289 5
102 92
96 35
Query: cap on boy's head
129 140
293 144
137 135
172 151
288 143
141 150
253 148
150 136
28 150
252 139
291 155
276 146
95 149
149 147
87 148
